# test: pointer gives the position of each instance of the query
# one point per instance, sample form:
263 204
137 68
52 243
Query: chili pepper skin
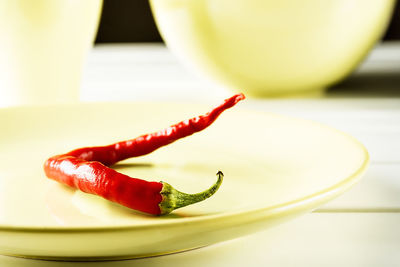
87 168
95 178
147 143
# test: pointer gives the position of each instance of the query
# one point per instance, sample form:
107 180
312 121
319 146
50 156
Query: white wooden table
360 228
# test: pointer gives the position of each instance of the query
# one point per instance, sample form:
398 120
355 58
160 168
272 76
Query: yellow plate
275 169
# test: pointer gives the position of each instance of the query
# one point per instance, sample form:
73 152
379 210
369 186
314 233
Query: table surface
360 228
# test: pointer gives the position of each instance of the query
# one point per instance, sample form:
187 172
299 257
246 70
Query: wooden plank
379 190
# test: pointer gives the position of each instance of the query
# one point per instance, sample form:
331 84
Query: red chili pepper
86 168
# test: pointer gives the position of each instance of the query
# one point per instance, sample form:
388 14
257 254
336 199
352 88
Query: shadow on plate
120 166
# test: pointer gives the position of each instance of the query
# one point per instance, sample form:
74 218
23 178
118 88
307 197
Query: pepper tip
241 96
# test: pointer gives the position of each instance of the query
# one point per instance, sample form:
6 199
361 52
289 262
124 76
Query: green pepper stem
174 199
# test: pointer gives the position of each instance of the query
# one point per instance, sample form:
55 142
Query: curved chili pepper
87 168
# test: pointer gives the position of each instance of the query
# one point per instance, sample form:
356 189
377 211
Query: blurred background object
43 46
266 48
335 55
132 21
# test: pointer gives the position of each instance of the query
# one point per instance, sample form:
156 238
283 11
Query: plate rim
324 194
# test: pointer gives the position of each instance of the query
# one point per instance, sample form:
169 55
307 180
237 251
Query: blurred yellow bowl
269 47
